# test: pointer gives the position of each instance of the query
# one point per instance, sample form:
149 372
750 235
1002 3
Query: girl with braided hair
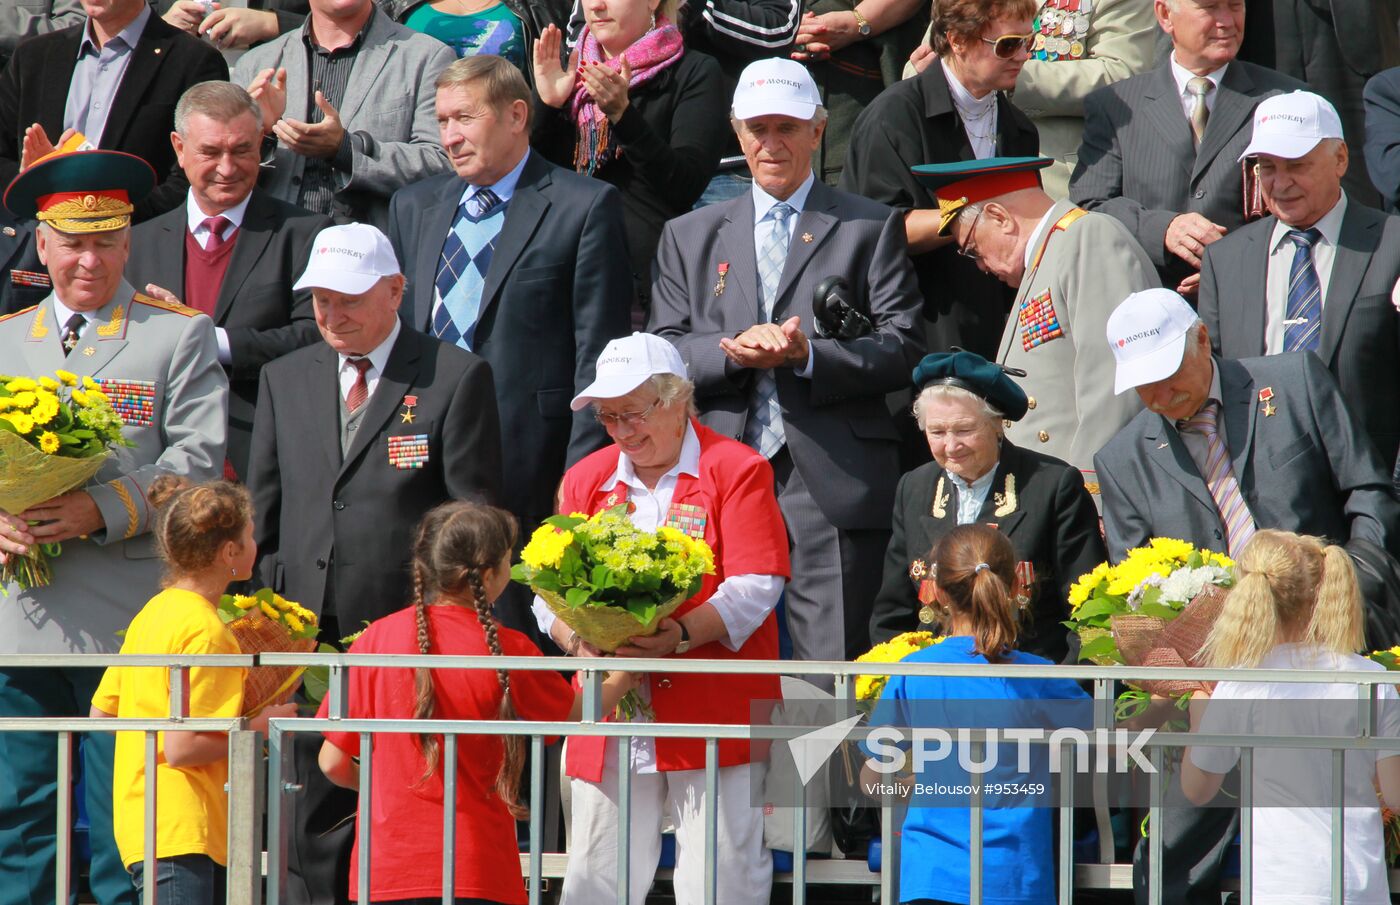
461 563
1296 605
976 588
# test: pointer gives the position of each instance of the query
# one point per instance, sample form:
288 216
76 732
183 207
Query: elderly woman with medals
976 475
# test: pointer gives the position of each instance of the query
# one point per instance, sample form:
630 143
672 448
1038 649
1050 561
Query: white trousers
744 866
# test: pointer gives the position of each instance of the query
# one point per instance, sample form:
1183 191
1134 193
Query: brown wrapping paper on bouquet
1151 641
267 685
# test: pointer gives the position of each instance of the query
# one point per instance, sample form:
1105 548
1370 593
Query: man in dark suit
1382 101
732 288
916 122
1161 150
355 440
23 279
231 250
1318 274
1225 447
115 78
546 297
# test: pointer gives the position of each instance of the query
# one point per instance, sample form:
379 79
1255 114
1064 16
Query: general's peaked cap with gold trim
81 191
961 183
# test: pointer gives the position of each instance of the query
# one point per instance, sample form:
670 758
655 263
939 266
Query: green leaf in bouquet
601 577
521 573
1100 647
83 433
577 597
1096 608
1131 703
565 522
1150 595
1160 610
644 608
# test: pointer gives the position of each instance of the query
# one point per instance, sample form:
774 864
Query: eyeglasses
969 248
1005 47
631 419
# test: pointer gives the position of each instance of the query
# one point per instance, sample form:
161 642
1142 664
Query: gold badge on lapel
406 415
940 501
89 351
807 237
1006 502
1266 396
723 270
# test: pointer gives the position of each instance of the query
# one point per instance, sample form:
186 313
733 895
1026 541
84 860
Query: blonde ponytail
1338 623
1247 626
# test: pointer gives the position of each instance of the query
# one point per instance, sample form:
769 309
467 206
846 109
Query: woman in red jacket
671 470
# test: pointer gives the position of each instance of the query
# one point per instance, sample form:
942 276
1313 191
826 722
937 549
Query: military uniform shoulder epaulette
164 305
15 314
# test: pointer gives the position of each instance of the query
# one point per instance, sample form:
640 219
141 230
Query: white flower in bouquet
1182 586
1135 597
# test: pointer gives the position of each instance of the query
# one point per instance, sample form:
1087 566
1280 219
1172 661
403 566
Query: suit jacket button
320 563
1200 193
338 505
663 683
1030 403
1044 436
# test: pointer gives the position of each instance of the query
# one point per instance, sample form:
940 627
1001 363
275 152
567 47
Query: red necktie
359 390
216 226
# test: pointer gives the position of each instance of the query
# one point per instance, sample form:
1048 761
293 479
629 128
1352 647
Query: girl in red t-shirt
461 563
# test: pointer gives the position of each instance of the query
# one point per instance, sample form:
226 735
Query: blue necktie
764 430
463 265
1303 324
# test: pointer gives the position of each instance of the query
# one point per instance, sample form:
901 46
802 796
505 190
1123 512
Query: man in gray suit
159 364
732 288
1226 447
1161 149
348 99
1318 275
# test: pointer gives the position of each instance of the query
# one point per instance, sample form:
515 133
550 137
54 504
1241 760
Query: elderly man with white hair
1317 275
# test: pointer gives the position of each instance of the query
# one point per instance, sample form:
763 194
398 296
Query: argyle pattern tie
764 430
463 265
1198 87
1303 324
359 390
1220 478
216 227
72 332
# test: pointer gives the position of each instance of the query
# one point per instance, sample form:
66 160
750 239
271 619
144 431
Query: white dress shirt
62 313
979 115
763 204
972 497
377 359
1038 236
1197 444
1281 251
202 234
1182 75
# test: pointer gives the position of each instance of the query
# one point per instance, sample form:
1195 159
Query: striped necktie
1220 478
764 430
1302 326
1198 87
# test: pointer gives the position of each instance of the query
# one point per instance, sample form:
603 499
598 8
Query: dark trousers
1194 844
29 790
322 833
185 880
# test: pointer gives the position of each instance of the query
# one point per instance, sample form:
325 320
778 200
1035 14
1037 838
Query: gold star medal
1265 396
407 414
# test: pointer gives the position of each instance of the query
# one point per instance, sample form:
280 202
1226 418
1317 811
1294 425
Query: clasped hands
765 346
321 139
607 86
70 515
223 26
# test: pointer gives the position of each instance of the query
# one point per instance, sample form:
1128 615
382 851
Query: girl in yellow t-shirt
205 536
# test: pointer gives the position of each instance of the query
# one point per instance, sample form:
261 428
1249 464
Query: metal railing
247 796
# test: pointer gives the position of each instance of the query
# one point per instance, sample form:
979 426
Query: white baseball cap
1290 125
626 363
349 259
1147 333
776 86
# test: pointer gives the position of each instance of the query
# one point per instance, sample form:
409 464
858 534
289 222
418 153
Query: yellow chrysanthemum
546 548
48 442
24 400
48 383
267 609
45 410
22 423
99 396
20 384
293 623
81 398
244 602
1171 548
868 688
68 378
5 403
90 384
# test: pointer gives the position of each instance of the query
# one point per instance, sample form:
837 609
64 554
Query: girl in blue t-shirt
976 589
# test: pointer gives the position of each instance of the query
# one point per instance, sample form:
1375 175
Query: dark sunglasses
1006 46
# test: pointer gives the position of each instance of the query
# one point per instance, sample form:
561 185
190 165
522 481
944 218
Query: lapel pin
1163 445
9 230
157 51
1266 396
408 403
807 237
723 270
89 351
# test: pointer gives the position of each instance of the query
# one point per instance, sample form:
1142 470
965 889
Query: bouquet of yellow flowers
265 621
607 579
1154 608
869 688
55 433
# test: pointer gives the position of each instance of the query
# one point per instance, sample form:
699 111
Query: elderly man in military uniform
1070 268
158 362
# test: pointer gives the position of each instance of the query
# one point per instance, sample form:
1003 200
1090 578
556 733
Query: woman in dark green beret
976 475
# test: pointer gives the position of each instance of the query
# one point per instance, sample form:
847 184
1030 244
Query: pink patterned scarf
653 52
